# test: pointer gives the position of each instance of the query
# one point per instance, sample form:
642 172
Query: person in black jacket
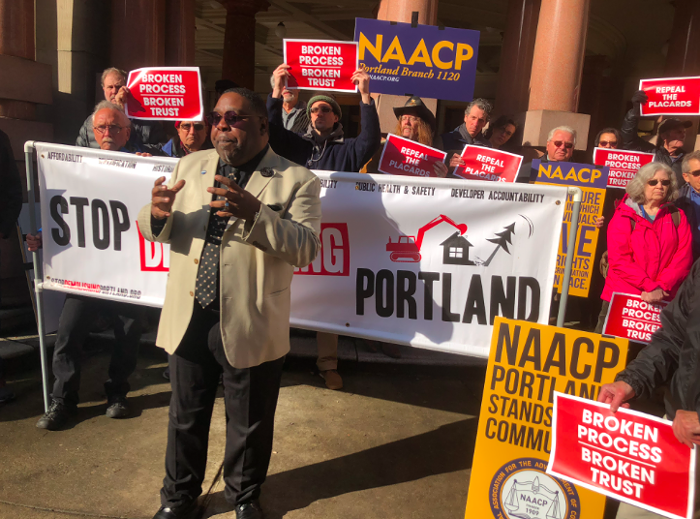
10 207
671 135
671 359
324 145
689 197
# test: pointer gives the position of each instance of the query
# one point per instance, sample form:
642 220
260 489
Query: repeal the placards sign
671 96
627 455
488 164
165 93
321 64
402 156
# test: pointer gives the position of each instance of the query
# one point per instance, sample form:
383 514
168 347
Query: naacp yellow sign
424 60
528 362
593 181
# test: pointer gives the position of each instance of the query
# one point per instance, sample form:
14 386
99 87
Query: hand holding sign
616 394
361 79
686 427
280 76
162 198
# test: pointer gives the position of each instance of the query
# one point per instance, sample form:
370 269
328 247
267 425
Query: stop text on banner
321 64
671 96
623 164
488 164
402 59
402 156
627 455
165 93
528 363
593 181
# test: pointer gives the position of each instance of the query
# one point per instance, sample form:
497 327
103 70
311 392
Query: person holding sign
476 115
294 116
672 360
671 136
324 145
415 122
559 148
649 240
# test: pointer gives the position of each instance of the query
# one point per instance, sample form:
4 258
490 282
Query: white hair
106 105
567 129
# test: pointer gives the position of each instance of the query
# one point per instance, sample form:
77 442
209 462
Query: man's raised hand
162 198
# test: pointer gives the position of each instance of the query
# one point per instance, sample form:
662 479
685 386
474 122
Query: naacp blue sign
425 60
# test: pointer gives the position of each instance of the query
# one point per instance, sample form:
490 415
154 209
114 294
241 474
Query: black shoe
117 407
251 510
166 373
57 416
174 513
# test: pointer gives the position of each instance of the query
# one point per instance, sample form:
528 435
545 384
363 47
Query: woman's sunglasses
664 183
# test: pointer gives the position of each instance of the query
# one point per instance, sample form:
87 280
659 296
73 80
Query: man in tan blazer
238 220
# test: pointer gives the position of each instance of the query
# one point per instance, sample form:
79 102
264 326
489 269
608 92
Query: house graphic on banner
455 250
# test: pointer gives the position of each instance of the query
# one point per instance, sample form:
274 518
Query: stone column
402 11
179 33
239 40
513 90
683 58
555 82
138 34
24 83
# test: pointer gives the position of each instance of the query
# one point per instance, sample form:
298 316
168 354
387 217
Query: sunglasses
324 109
567 145
198 127
695 173
231 118
664 183
603 144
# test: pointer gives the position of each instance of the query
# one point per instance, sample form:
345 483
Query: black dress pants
77 317
250 398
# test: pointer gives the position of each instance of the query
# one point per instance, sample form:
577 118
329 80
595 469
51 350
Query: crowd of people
258 155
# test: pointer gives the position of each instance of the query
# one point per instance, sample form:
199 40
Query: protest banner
671 96
593 181
488 164
416 261
623 164
321 64
402 156
627 455
425 60
631 318
528 362
165 93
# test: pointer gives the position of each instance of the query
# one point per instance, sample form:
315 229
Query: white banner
423 262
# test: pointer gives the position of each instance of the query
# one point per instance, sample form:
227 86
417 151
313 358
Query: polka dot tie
206 289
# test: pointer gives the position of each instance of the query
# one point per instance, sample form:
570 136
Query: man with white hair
559 148
111 130
115 91
294 116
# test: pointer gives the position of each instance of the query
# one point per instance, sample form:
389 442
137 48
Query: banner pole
31 198
577 195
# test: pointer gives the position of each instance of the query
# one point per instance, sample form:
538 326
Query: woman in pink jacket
649 240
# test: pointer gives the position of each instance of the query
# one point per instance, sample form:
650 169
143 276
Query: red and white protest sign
631 318
165 93
321 64
488 164
628 455
671 96
406 157
623 164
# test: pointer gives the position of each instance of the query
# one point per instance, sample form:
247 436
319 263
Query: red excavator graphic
407 248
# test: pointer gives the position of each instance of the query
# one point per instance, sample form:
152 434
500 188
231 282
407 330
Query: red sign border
632 412
674 114
515 177
357 63
184 69
595 150
605 324
392 136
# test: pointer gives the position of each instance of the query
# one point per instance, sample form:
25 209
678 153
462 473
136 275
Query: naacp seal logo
522 489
